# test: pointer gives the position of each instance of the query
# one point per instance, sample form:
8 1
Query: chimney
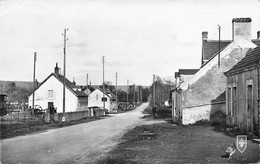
74 81
205 35
36 83
258 35
56 69
241 29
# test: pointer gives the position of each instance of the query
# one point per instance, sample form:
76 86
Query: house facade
95 99
50 94
180 77
243 93
202 96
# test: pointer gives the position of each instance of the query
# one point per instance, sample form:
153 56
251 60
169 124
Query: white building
50 94
95 100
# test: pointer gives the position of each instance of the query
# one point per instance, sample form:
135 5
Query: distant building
95 99
203 97
50 94
243 93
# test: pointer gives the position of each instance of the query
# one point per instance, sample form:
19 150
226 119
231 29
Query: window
96 97
231 99
50 94
249 101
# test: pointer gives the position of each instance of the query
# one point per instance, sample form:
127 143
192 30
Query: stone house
50 94
243 93
202 97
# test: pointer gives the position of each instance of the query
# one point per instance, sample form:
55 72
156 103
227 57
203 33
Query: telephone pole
116 90
64 71
134 94
87 80
34 67
127 93
153 91
103 61
219 46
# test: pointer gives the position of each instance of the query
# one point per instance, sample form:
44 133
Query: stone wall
215 113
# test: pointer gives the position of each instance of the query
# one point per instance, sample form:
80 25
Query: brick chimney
258 35
56 69
241 29
204 35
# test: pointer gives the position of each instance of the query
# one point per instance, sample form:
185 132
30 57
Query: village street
74 144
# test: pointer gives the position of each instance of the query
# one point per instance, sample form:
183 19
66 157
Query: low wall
211 112
70 116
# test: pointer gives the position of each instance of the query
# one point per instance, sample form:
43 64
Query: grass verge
23 128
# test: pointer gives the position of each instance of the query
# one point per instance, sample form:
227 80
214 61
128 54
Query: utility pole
137 94
34 67
127 93
153 90
103 61
64 71
116 90
141 93
134 94
219 46
87 80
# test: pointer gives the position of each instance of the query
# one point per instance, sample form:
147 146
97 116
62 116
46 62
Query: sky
138 38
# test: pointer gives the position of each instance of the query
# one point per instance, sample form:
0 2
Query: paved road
83 143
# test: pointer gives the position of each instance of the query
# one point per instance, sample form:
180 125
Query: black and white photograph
129 81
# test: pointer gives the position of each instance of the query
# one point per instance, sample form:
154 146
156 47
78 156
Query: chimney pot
56 69
204 35
258 35
74 81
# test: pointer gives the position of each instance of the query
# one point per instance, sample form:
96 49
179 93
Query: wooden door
249 108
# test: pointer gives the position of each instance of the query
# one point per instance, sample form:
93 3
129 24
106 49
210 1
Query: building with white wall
95 99
50 94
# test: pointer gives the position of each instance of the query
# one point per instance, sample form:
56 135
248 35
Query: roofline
218 40
103 92
55 75
215 55
241 70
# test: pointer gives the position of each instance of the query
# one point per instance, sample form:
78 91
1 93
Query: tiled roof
256 41
211 47
241 20
187 71
68 84
251 59
71 86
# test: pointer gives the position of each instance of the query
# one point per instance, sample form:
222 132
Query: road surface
82 143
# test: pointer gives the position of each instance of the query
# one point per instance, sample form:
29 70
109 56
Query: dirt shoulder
179 144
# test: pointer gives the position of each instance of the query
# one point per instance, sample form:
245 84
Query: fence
20 117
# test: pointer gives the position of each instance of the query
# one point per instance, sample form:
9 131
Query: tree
145 94
163 88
